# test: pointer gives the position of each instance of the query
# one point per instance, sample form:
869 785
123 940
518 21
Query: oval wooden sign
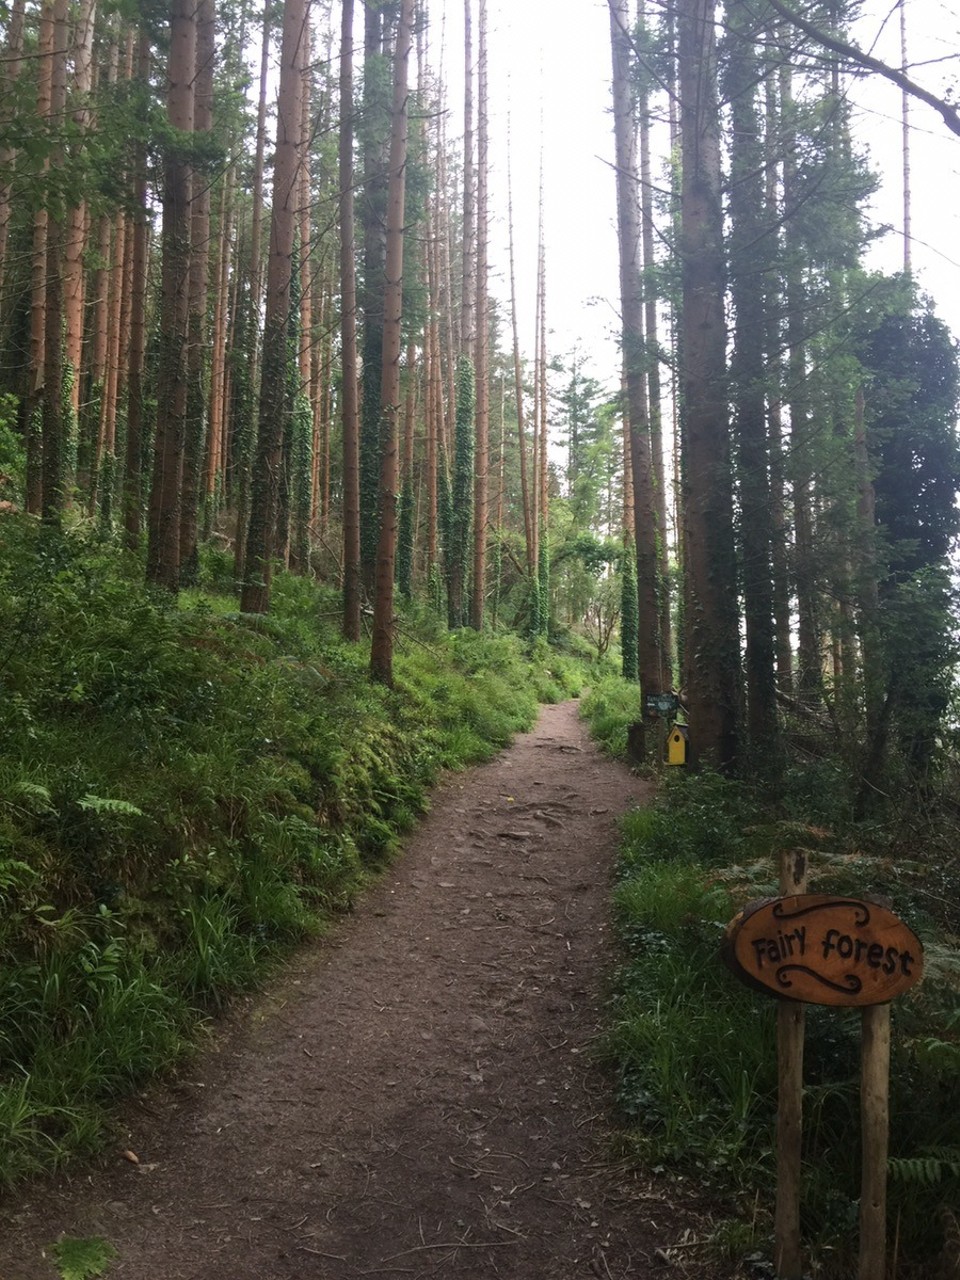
821 949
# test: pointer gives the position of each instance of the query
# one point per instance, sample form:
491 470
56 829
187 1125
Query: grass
186 793
694 1051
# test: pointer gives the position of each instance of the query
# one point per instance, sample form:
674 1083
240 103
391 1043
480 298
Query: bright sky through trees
554 65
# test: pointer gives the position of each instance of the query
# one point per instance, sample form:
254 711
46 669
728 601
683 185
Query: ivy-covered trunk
274 381
460 515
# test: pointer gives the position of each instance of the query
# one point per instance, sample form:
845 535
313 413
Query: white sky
553 61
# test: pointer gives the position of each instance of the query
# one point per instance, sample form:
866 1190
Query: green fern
941 963
82 1259
15 874
36 798
107 804
928 1169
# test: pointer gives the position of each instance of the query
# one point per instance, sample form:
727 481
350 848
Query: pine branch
851 53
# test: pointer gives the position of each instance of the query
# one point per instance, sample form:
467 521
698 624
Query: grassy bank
694 1051
185 794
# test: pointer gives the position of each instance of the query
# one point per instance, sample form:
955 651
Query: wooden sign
821 949
661 704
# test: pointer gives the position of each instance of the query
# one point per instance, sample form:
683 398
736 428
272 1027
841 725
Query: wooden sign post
816 948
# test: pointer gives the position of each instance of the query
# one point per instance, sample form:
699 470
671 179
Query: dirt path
416 1097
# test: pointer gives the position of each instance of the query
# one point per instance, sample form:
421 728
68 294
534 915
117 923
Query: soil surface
416 1095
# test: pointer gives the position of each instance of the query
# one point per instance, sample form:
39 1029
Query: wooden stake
790 1034
874 1119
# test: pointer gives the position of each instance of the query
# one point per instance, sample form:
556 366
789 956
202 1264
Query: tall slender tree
132 495
197 354
482 461
750 269
381 650
163 542
52 413
712 644
274 377
653 663
349 405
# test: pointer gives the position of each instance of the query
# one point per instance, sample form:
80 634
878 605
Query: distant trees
794 595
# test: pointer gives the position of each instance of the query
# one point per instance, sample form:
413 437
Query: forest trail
416 1095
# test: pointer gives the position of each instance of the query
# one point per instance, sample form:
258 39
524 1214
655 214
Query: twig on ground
452 1244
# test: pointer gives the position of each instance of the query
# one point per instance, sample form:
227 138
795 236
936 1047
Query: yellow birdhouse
677 744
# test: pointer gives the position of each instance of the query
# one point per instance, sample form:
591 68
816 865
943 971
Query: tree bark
750 269
381 651
261 536
712 644
198 365
13 51
653 663
163 540
52 412
38 286
349 403
809 670
133 498
376 110
468 296
75 238
482 455
528 525
654 398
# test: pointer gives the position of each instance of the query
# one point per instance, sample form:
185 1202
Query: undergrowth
694 1051
185 793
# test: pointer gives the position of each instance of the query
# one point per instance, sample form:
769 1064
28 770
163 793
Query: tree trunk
212 490
256 212
780 534
482 461
163 538
13 51
381 652
468 296
75 238
274 380
653 663
712 645
198 368
528 526
38 286
52 413
349 405
373 216
750 269
809 670
132 488
103 480
434 383
654 398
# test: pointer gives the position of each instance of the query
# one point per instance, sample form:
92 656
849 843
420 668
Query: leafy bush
610 707
185 793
